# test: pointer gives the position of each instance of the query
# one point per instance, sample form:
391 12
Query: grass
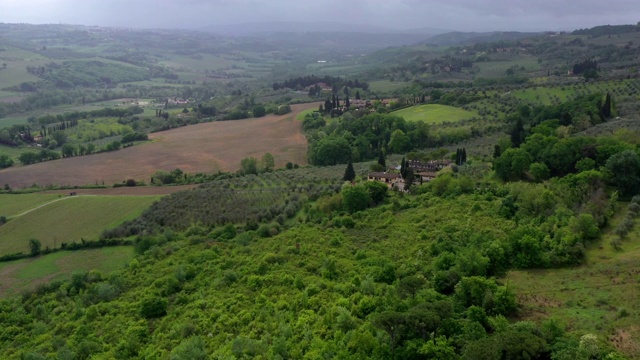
599 297
12 152
26 274
304 113
497 69
435 113
15 204
13 120
70 220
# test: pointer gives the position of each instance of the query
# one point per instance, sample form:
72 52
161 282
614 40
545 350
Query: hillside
175 195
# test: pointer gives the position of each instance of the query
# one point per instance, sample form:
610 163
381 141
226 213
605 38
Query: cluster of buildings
424 171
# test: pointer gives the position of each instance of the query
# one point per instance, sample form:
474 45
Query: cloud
449 14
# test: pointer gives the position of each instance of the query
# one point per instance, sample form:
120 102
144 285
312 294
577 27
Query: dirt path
40 206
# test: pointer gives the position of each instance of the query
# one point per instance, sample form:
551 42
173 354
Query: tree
249 165
60 137
625 168
377 191
34 247
517 133
68 150
5 161
268 162
606 107
512 164
193 348
399 142
349 172
408 179
355 197
381 160
27 158
357 95
393 324
153 307
259 111
539 172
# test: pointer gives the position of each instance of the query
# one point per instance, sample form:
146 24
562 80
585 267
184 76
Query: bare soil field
120 191
202 148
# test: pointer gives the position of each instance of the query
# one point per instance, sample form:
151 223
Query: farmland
435 113
203 148
26 274
12 205
69 220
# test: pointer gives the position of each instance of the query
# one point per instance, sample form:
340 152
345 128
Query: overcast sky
466 15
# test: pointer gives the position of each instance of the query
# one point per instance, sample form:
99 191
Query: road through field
206 148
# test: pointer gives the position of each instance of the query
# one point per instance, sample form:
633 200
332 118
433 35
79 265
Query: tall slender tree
349 172
381 159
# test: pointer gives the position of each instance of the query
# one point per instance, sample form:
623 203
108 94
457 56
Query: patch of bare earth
624 341
132 191
202 148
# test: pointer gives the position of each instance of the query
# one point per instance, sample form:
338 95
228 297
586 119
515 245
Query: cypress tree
381 159
517 133
606 107
464 155
496 151
349 172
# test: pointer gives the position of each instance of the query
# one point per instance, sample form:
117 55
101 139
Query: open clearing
69 220
205 148
599 297
434 113
26 274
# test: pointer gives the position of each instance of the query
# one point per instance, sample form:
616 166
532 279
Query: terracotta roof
383 175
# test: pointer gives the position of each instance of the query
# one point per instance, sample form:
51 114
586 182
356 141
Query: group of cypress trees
461 156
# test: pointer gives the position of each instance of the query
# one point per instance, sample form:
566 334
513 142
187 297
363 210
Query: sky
461 15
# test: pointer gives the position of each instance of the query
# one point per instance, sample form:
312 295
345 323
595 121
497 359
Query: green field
304 113
387 86
12 152
496 69
435 113
70 220
15 204
26 274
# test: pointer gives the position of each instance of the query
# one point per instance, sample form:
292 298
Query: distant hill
467 38
266 28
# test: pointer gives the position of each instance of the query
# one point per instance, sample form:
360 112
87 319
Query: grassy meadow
26 274
16 204
497 69
435 113
70 220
